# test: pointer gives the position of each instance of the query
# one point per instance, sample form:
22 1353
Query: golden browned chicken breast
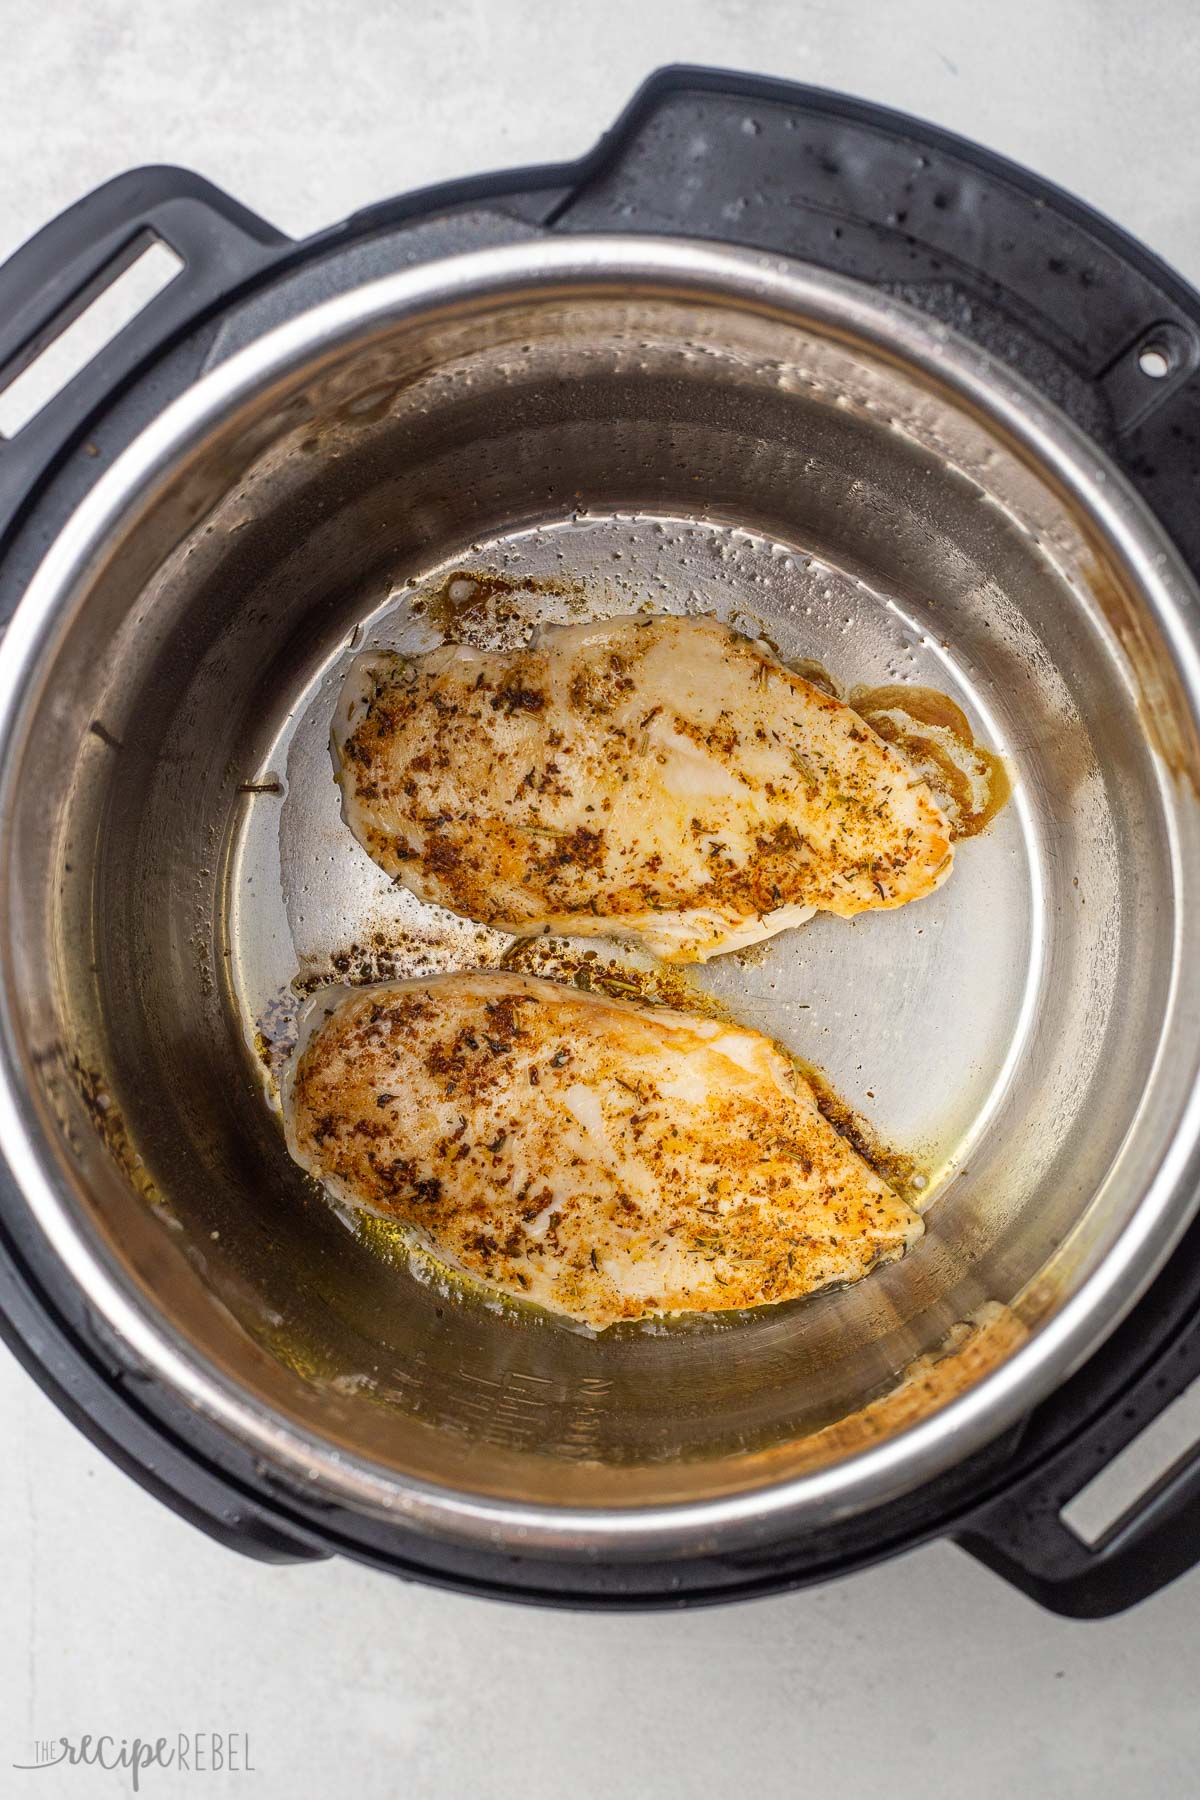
654 778
602 1159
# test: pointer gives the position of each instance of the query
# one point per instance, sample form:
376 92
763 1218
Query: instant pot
834 371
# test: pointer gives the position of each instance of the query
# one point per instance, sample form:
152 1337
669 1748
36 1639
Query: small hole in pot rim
1154 360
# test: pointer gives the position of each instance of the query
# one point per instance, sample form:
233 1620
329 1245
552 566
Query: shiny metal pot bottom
604 424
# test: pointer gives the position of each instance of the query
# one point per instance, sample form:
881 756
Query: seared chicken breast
602 1159
654 778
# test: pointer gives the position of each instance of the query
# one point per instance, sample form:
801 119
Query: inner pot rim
807 297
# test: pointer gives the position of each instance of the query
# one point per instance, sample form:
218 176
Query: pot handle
53 278
1036 1550
1022 1534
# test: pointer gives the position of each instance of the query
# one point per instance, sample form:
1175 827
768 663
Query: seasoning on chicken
662 779
601 1159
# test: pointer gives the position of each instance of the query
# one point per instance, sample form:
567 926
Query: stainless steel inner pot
605 424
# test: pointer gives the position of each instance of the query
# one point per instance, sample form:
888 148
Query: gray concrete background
926 1677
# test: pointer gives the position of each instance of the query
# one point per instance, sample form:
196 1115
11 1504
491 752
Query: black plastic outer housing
1021 268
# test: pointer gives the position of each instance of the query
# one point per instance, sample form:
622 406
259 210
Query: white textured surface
926 1677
